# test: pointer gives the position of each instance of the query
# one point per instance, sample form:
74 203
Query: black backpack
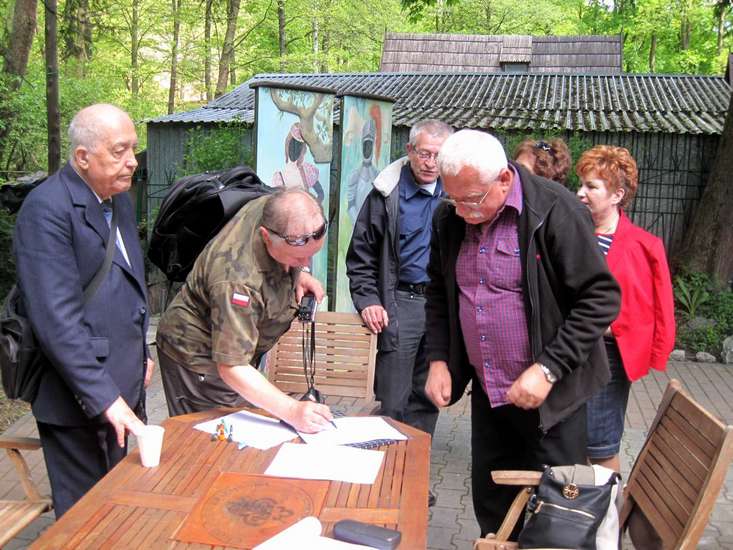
193 211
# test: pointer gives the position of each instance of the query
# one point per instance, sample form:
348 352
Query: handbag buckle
570 491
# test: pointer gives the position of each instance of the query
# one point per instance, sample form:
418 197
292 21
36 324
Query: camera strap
308 346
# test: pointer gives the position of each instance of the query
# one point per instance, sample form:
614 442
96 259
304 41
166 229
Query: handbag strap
92 287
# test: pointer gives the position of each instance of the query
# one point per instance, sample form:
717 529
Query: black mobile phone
356 532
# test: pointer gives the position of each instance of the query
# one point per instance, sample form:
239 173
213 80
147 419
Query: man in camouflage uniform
239 298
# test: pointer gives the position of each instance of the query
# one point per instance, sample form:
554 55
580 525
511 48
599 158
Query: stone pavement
452 524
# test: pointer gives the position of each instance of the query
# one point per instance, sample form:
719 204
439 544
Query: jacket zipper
542 503
531 294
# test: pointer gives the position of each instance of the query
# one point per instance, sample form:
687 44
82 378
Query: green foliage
224 147
704 313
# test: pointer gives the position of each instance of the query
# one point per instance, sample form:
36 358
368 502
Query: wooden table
137 507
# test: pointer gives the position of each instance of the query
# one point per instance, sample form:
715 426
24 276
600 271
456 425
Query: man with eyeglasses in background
240 297
386 264
518 300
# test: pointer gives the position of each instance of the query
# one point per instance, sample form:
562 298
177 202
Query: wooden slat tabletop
137 507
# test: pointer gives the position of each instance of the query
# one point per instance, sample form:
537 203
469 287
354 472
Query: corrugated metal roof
607 103
407 52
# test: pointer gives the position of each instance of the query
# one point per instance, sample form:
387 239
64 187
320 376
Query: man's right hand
309 417
375 317
438 386
123 420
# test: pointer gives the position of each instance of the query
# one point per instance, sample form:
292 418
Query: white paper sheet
354 429
326 462
306 534
252 430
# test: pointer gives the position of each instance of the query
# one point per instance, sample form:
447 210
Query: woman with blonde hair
642 336
549 159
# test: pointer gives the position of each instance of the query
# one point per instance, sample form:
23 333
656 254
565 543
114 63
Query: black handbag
21 358
567 509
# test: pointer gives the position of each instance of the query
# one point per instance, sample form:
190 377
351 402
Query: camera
307 309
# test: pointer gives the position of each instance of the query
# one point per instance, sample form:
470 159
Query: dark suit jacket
96 351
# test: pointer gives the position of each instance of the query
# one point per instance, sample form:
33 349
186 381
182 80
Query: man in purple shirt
518 299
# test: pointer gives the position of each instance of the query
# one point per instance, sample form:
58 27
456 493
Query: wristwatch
549 375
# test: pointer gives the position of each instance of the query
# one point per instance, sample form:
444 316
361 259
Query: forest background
153 57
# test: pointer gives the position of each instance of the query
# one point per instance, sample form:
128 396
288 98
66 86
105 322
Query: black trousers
76 458
509 438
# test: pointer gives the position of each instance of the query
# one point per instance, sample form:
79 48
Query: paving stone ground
452 524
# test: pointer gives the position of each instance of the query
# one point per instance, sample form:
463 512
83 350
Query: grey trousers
187 391
399 381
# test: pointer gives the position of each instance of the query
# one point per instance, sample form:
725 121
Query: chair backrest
346 352
679 471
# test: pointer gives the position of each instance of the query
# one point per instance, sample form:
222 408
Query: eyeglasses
302 240
426 155
467 204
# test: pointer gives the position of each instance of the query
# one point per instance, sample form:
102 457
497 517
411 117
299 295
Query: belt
414 288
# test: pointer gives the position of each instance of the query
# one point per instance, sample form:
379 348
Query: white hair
475 149
89 126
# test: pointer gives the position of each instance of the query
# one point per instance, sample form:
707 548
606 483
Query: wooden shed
461 53
671 124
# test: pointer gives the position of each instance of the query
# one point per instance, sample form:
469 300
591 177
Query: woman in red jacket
642 336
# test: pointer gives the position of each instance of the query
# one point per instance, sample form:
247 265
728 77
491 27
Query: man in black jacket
518 299
386 264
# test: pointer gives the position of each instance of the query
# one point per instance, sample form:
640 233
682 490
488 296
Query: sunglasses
302 240
467 204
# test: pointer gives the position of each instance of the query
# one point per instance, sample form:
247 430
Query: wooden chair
346 352
672 486
15 515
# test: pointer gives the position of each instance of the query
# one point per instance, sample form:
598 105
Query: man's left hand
530 390
149 368
308 283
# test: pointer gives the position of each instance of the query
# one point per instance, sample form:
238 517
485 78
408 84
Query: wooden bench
15 515
345 356
672 486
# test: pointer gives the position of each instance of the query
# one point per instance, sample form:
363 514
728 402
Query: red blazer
645 327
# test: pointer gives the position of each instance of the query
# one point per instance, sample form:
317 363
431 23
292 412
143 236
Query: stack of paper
252 430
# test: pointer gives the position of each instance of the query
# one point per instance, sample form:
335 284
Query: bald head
90 125
103 142
289 211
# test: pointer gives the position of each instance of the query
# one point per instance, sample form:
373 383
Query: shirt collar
409 187
514 197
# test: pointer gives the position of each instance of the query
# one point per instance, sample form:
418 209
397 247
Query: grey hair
89 125
285 203
475 149
431 127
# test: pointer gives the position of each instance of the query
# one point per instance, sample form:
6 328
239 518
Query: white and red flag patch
241 300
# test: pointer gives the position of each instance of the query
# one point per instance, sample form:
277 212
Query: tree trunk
281 37
53 113
227 50
685 30
77 33
135 50
176 6
720 29
18 47
708 241
653 53
207 53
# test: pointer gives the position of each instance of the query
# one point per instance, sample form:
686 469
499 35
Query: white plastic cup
150 443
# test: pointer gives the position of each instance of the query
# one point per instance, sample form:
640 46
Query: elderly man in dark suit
97 364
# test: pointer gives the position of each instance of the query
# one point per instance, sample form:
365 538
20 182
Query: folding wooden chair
345 356
672 487
15 515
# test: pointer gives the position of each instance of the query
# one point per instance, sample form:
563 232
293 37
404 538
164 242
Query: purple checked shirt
491 301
